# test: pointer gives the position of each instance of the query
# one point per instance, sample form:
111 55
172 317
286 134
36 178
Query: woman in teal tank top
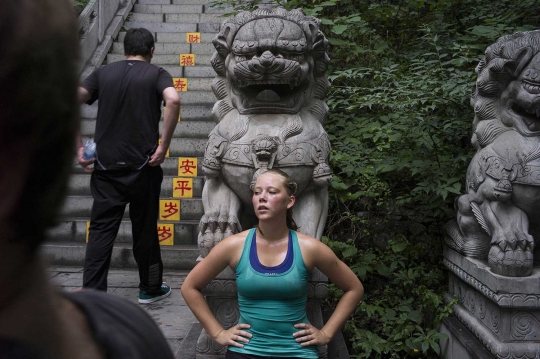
272 263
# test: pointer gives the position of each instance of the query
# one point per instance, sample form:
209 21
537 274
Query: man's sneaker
145 297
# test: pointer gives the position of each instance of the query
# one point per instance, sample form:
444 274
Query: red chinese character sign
183 187
187 166
165 234
187 59
193 37
169 210
180 84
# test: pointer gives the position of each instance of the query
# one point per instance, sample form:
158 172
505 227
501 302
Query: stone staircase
169 20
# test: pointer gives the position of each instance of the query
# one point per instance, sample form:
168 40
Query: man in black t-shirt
38 123
127 163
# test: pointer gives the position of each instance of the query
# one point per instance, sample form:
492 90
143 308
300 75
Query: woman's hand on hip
309 335
234 336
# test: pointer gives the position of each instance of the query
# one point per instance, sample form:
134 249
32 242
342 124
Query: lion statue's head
270 62
507 91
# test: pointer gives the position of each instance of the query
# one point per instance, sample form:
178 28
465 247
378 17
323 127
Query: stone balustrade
98 25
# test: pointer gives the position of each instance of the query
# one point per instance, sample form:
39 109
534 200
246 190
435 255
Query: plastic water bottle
89 149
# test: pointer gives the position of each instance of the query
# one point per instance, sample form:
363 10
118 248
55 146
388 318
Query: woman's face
270 198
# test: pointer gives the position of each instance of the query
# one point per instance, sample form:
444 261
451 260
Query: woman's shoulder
308 242
235 239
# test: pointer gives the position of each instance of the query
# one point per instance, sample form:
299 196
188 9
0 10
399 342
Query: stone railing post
98 25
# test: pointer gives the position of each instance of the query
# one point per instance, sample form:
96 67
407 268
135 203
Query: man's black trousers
112 190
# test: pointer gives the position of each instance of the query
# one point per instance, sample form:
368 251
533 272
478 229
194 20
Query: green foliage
79 6
403 303
399 124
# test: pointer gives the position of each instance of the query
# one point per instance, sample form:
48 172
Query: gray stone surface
187 113
80 206
160 49
209 27
159 60
497 218
499 287
148 18
199 71
183 18
72 254
461 343
267 128
79 185
490 253
175 71
184 129
168 9
197 98
203 48
169 166
171 314
194 18
185 231
188 2
181 37
209 9
502 312
153 2
162 27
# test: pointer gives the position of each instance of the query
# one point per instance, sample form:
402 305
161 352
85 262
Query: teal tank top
272 302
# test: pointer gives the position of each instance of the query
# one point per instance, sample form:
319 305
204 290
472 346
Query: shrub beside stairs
169 21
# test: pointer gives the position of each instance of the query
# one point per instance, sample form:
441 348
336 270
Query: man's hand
158 157
83 161
234 336
310 335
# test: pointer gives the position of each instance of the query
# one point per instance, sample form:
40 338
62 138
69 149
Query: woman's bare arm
317 254
226 253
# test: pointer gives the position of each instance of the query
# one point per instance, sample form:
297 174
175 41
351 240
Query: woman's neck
273 231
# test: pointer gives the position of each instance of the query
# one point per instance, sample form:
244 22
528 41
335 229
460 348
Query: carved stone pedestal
502 312
221 296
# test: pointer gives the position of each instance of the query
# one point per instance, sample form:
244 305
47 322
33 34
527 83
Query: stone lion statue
498 219
270 112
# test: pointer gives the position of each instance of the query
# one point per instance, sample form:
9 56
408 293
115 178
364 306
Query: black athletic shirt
121 329
127 127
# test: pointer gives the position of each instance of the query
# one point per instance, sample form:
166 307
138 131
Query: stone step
168 9
80 206
191 72
74 230
183 147
72 254
197 98
160 49
170 166
173 26
191 18
188 129
163 37
187 112
172 48
164 59
173 2
79 185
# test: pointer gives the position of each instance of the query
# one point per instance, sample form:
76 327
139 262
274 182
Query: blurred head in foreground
38 115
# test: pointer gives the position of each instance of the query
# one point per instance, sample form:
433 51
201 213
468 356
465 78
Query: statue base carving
221 296
502 312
